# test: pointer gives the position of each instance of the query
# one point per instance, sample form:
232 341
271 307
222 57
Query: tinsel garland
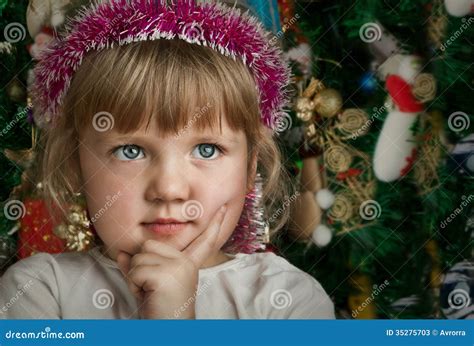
120 22
252 231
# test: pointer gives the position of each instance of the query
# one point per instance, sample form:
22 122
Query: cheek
111 204
231 219
115 218
231 191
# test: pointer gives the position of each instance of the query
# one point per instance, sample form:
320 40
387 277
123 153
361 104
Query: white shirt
89 285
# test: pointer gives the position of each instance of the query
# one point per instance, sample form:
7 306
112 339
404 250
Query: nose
168 181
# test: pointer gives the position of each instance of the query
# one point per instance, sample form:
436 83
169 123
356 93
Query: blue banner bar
244 332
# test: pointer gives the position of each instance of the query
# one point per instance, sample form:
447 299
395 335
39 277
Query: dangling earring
253 231
76 232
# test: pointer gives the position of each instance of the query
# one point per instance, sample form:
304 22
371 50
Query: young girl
160 114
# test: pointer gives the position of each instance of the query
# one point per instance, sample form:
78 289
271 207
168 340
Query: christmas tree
394 178
15 135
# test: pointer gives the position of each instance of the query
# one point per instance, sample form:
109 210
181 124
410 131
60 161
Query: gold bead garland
317 102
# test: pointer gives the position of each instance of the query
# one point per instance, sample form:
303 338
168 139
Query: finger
202 247
159 248
145 277
123 261
136 290
144 259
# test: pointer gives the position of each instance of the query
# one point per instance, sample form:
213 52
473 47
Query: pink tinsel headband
119 22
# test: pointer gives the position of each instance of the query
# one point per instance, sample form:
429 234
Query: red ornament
402 95
351 172
287 19
36 232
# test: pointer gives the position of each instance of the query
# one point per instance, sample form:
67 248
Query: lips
165 226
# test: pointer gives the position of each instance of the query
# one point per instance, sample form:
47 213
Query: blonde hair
141 80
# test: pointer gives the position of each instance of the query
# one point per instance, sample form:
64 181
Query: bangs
172 82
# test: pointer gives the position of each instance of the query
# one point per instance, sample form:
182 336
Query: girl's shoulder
43 261
48 269
271 285
31 287
265 263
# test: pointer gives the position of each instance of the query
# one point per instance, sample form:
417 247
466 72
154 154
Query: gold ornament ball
304 109
328 102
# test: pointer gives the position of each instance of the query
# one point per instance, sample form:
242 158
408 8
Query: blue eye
206 150
129 152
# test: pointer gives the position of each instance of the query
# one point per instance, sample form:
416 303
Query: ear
252 170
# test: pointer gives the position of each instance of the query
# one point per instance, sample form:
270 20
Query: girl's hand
163 279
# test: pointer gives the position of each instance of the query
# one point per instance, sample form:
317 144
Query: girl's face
140 177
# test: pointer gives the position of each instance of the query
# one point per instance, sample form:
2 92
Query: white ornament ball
322 236
325 198
459 8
